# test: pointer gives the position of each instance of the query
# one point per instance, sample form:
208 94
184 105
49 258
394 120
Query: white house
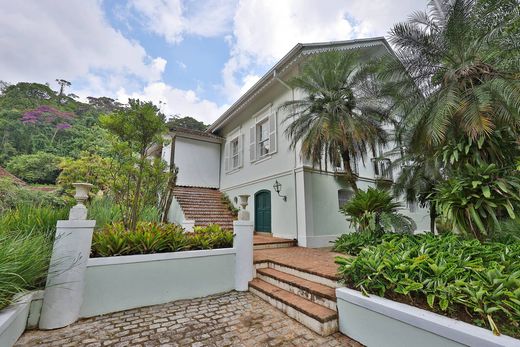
245 151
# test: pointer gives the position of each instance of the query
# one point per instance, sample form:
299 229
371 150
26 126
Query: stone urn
79 212
243 214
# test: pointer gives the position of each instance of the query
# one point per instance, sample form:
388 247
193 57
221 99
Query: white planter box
376 321
23 313
119 283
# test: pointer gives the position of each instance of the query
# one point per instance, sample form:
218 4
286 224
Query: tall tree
453 85
140 126
332 120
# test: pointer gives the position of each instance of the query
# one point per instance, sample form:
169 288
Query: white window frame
229 162
266 114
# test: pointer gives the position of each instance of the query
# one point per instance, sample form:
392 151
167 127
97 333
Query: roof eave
269 74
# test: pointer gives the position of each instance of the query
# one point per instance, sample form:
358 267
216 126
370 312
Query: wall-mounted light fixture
278 188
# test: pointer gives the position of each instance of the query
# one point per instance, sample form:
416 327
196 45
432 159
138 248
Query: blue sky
195 57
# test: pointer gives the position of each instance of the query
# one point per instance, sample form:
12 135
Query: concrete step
320 319
315 292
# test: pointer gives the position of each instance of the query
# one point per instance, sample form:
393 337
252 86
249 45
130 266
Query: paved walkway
230 319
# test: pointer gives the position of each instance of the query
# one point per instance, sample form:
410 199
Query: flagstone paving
230 319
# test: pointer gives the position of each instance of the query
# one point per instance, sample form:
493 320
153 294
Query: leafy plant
476 198
13 195
231 207
375 211
465 279
24 261
114 239
35 168
353 243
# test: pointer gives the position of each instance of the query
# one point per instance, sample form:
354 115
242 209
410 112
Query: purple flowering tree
48 116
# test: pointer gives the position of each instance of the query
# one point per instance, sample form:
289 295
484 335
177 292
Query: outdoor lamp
278 188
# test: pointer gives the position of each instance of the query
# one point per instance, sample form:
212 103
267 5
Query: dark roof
7 174
289 57
193 132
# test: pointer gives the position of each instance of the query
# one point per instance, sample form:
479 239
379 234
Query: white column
243 243
66 278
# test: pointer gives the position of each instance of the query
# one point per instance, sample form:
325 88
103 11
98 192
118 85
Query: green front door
263 211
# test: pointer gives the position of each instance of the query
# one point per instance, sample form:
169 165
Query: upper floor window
382 168
262 141
262 133
234 153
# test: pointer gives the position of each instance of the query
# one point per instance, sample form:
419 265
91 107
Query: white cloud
265 30
172 19
44 40
176 101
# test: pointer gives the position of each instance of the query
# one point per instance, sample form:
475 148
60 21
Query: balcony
382 169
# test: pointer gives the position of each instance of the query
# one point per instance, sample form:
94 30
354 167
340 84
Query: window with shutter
226 157
272 133
252 143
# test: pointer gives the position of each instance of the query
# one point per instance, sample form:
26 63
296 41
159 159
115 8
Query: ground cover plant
149 237
26 238
470 280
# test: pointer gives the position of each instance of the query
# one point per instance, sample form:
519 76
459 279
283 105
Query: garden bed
374 321
474 282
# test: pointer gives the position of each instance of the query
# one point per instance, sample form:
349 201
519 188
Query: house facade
246 151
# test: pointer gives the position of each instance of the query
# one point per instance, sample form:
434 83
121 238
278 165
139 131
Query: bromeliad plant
149 237
465 279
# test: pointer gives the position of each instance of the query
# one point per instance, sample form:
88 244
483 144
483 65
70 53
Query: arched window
344 195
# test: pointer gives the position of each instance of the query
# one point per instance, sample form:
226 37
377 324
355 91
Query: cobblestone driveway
231 319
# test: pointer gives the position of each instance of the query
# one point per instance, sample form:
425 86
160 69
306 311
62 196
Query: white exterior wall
198 162
262 174
311 213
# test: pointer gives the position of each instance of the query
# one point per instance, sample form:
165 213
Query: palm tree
333 121
448 79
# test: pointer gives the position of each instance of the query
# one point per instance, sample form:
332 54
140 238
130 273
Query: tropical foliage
115 239
475 200
375 211
138 127
39 167
465 279
333 121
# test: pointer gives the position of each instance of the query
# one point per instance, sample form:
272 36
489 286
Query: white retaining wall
125 282
22 314
376 321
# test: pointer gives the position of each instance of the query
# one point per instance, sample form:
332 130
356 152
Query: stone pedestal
66 279
243 242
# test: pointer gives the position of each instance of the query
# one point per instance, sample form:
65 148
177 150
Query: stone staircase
204 206
303 294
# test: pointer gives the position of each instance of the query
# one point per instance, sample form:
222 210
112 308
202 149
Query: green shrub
465 279
477 197
114 239
105 211
353 243
24 261
376 211
35 168
27 220
12 195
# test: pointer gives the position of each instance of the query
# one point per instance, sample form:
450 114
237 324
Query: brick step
315 292
208 214
209 217
301 272
198 197
215 219
320 319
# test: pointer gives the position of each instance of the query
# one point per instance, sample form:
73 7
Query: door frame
270 211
